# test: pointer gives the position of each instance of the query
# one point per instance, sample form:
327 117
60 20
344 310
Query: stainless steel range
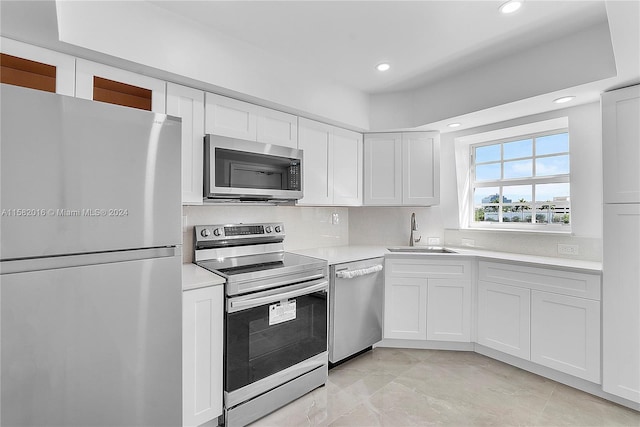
275 317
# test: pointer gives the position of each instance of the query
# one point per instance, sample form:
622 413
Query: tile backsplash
305 227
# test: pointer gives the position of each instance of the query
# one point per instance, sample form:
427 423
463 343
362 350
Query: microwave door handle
256 302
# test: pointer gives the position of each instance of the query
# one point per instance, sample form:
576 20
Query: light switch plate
433 241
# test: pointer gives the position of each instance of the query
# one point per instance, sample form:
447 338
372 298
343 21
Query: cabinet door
188 103
621 301
621 145
346 155
107 84
405 308
504 318
317 178
202 323
276 127
383 169
65 67
420 168
449 310
230 117
565 334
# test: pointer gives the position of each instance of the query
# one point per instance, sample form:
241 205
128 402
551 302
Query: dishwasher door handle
350 274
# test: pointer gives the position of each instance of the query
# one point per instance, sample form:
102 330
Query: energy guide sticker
282 312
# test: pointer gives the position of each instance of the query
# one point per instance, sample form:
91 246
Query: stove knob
268 229
216 232
278 229
205 232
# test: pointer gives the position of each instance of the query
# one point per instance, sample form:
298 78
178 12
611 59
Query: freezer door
96 345
83 176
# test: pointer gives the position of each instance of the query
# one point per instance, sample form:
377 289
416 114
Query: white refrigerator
90 263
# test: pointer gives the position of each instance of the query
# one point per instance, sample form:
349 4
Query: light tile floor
403 387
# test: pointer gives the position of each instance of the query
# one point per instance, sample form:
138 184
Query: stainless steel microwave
241 170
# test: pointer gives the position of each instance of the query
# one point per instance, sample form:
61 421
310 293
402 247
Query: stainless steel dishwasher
355 306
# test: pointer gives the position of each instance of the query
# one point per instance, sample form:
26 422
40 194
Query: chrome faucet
414 227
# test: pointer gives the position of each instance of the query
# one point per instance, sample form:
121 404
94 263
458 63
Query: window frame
532 181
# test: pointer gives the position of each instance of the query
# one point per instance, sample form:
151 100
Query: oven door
274 336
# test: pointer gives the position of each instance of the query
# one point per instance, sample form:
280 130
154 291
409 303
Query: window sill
520 230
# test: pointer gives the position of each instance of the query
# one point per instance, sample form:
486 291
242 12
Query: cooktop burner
251 257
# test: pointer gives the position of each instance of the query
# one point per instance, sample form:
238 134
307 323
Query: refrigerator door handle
65 261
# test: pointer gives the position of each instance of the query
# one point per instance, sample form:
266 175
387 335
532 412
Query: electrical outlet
184 224
335 218
433 241
567 249
468 242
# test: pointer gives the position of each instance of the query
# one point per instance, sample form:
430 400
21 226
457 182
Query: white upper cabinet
242 120
332 169
188 104
383 169
108 84
420 169
621 145
402 169
276 127
61 79
317 177
230 117
346 154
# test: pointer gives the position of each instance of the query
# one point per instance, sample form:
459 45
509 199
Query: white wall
582 57
391 225
305 227
585 132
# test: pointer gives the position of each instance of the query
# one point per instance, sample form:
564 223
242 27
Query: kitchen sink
423 250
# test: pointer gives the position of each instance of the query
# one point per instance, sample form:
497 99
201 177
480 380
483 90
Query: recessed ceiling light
453 125
563 99
510 6
383 67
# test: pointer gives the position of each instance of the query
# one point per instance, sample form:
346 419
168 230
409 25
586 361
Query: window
522 182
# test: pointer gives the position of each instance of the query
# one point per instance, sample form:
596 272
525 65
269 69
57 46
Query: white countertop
194 277
342 254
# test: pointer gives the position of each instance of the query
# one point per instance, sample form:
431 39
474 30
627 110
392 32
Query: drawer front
420 268
543 279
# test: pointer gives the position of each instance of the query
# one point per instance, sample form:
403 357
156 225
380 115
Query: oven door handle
256 302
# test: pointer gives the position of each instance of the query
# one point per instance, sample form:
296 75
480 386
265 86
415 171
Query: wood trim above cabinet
118 93
27 73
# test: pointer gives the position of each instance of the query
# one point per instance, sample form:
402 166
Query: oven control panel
235 232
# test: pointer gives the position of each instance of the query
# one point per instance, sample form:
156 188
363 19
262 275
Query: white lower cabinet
427 299
550 316
565 334
449 310
405 308
504 318
202 340
621 301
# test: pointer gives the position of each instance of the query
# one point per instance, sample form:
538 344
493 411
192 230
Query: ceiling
423 41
